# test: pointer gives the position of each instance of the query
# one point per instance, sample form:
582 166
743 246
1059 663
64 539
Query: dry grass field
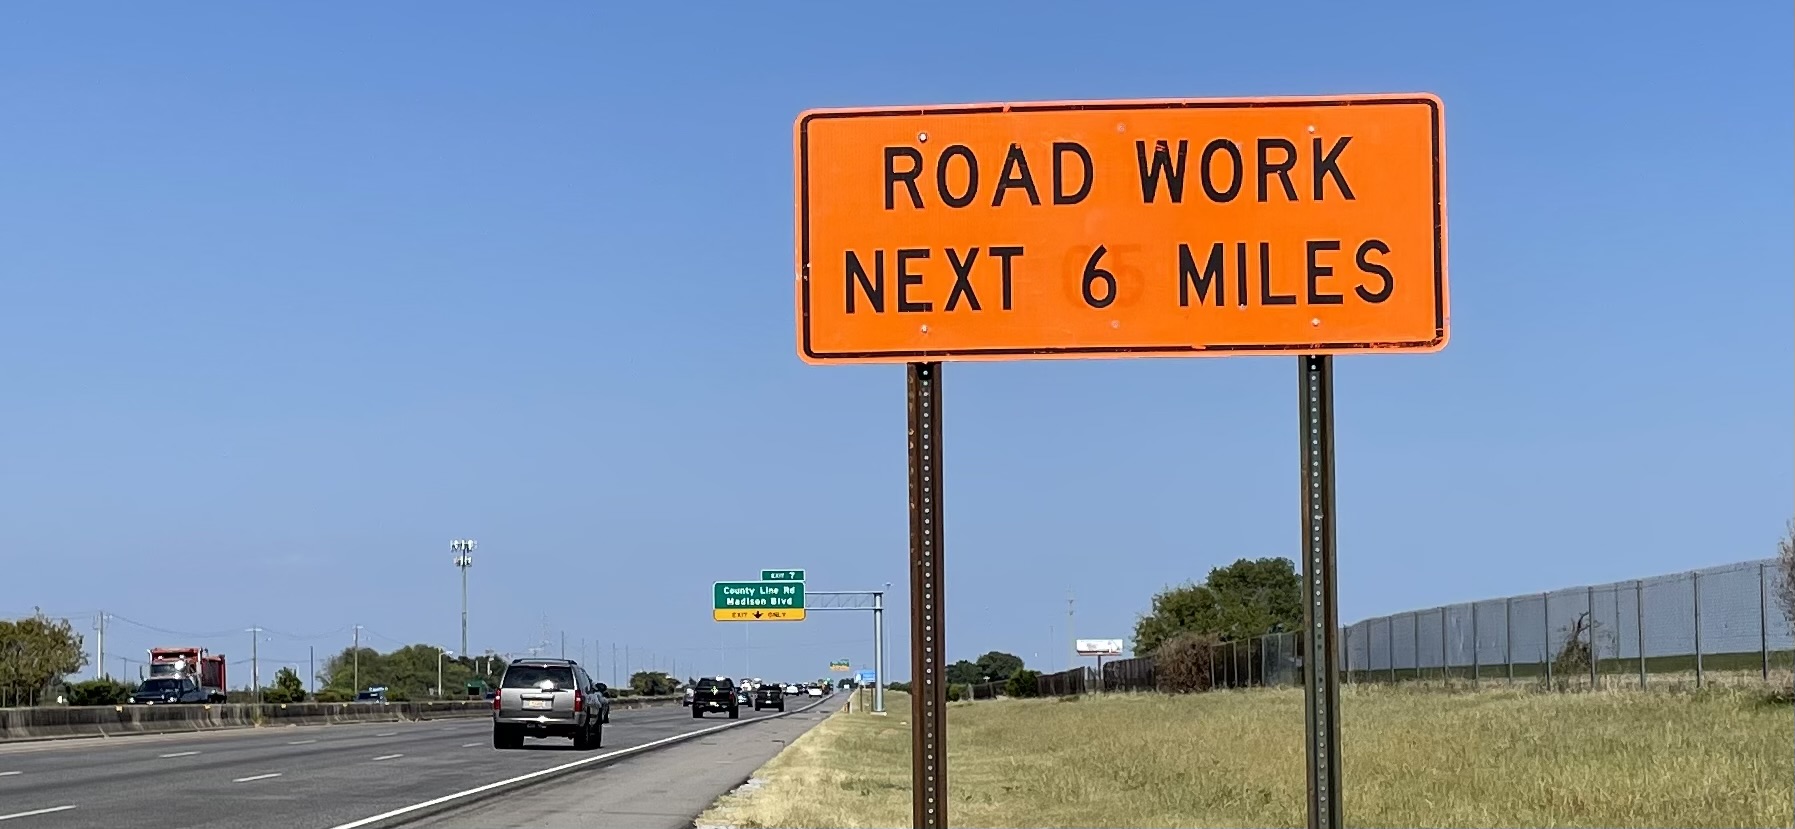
1411 757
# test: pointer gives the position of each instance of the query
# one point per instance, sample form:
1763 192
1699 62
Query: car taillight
579 701
495 702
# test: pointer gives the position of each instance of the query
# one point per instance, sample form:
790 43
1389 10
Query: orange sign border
800 141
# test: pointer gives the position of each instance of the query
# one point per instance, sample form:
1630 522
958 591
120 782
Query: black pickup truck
715 694
769 696
168 690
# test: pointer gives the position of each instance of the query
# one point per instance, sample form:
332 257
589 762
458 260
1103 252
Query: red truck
205 669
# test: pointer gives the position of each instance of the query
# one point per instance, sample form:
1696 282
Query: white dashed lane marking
254 777
34 812
178 754
388 757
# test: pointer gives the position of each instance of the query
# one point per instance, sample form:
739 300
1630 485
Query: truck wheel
598 735
697 713
582 739
501 738
735 713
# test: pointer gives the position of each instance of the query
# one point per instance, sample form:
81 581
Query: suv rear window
714 684
533 676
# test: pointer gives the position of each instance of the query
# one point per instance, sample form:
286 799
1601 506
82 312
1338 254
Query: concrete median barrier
68 721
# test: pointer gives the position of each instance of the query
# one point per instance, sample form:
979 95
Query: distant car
375 694
743 696
716 694
769 696
169 690
793 690
815 691
687 699
549 698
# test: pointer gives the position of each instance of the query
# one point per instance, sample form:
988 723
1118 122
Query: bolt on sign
1121 229
757 601
1307 227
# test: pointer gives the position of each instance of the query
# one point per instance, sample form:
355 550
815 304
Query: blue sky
288 299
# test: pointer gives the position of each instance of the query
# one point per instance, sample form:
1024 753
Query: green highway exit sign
758 601
782 575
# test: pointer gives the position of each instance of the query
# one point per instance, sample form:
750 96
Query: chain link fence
1718 625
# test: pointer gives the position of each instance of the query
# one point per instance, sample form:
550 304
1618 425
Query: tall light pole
355 657
255 663
440 656
464 558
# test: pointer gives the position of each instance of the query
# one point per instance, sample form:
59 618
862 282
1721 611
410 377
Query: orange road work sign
1121 229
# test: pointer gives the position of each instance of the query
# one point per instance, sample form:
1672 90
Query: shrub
956 692
333 695
1023 683
99 692
1182 665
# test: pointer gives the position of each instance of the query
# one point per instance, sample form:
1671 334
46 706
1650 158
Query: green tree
1785 577
1023 683
652 683
964 672
999 666
1251 597
410 670
34 652
287 687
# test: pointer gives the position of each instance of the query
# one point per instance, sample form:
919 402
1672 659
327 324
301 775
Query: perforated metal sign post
1321 619
1304 227
928 661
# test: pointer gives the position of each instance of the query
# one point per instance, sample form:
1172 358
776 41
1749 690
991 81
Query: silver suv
549 698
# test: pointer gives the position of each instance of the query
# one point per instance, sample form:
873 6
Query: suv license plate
536 705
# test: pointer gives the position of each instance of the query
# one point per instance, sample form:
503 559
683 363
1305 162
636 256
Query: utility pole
355 656
255 663
99 662
564 644
311 657
464 559
1071 633
613 663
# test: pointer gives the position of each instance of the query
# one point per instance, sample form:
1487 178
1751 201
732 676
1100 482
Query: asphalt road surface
662 789
318 777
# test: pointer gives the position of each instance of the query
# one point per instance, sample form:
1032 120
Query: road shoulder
664 788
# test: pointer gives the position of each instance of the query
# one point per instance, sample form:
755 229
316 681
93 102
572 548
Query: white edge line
436 801
256 777
34 812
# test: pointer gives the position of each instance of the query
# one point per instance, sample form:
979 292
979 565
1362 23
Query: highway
323 777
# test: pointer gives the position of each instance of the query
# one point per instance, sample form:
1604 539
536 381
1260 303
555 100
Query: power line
218 634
